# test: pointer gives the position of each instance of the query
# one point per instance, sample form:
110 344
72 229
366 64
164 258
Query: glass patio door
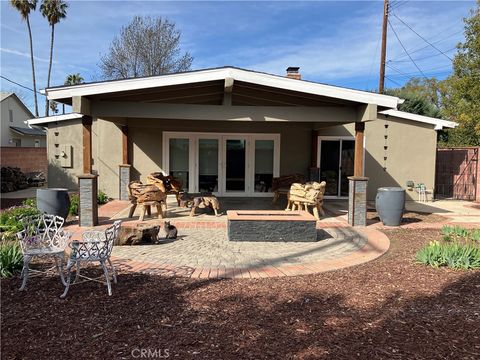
223 164
208 165
235 165
179 160
336 162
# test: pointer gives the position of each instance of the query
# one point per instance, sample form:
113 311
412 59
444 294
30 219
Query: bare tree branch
147 46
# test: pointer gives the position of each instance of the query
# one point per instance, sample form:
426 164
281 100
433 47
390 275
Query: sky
333 42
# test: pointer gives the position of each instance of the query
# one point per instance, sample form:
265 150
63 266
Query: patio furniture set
43 236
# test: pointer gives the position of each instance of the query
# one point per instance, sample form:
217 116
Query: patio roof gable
224 75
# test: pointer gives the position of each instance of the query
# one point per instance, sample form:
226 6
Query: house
14 130
230 130
22 146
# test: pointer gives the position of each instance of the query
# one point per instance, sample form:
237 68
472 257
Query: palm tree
24 7
72 79
53 11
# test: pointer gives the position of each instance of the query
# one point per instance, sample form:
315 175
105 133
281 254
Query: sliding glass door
336 162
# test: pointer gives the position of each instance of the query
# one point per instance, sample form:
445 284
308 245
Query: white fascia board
221 74
55 118
439 123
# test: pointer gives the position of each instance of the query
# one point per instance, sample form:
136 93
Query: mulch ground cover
409 217
391 308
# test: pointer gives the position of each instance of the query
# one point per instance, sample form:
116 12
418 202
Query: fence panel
457 172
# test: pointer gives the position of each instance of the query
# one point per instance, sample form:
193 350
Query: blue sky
334 42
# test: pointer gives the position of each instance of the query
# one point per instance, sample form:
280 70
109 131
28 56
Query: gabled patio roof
215 82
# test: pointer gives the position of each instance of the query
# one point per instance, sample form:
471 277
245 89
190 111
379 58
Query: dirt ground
390 308
408 217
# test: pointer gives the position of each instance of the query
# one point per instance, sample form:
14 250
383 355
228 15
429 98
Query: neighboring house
15 132
21 146
230 130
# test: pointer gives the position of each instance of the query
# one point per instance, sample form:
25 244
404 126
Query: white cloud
24 54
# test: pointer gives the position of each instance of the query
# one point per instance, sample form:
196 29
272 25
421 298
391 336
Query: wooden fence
457 173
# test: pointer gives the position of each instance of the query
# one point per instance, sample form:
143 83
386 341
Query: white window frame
222 137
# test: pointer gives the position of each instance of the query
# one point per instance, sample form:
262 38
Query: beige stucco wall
410 155
64 133
411 149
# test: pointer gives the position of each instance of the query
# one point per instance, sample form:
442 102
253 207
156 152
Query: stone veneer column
88 207
357 201
124 180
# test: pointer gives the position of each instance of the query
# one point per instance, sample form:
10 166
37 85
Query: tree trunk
33 67
47 108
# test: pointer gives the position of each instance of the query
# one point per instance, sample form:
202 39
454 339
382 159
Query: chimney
292 73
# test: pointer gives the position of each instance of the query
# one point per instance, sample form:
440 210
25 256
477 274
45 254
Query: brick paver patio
203 251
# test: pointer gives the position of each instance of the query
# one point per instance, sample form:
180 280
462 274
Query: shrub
102 198
74 202
453 255
10 220
11 258
30 202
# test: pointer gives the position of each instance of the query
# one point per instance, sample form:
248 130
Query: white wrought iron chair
95 246
42 236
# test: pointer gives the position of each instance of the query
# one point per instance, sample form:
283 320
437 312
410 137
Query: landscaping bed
409 217
391 308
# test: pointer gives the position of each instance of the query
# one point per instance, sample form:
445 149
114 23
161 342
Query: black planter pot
54 201
390 204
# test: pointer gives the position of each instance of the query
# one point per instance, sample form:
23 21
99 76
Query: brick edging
377 245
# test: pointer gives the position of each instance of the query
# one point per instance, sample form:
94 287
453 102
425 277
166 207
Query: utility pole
383 55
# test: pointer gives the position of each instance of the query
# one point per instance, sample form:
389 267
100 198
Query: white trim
49 119
439 123
193 138
222 74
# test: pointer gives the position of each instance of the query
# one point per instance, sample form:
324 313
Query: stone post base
124 180
88 208
357 201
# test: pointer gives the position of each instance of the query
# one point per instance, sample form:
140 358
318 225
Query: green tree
25 7
147 46
53 11
72 79
461 95
422 96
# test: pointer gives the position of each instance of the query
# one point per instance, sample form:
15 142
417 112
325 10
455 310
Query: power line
404 49
434 42
393 81
397 4
421 37
22 86
422 58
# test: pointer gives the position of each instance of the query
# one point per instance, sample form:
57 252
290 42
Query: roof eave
221 74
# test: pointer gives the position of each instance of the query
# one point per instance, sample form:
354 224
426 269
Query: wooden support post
125 145
87 144
359 138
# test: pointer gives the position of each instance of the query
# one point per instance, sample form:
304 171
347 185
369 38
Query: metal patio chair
42 237
95 246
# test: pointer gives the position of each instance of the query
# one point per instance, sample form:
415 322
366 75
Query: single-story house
229 131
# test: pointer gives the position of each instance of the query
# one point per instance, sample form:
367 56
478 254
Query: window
10 115
15 142
37 143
